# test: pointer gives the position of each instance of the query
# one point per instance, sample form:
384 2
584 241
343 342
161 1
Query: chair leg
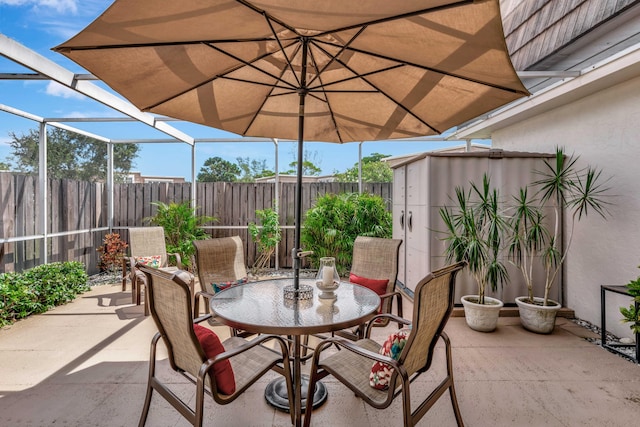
452 390
310 386
199 413
145 408
134 287
124 274
152 372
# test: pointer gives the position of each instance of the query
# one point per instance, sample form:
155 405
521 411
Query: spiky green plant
475 230
575 190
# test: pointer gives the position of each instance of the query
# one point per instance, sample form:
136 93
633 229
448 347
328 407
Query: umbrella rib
250 64
264 100
396 17
382 92
284 53
159 44
325 98
382 70
225 75
377 89
267 15
427 68
333 57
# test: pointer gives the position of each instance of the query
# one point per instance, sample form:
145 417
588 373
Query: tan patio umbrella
330 70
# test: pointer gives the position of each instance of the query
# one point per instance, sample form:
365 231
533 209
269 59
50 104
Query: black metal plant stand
622 290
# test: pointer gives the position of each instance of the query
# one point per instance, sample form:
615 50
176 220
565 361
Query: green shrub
332 225
40 289
181 227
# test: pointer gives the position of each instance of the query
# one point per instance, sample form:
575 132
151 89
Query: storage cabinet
426 182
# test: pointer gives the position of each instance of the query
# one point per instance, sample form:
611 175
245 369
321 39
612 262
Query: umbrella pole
298 201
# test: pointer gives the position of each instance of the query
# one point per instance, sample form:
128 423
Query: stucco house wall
604 130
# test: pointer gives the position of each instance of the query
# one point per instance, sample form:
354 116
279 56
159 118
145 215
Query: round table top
261 307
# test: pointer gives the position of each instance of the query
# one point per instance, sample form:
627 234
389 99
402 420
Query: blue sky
42 24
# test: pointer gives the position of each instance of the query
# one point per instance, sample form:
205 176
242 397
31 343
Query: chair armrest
398 296
202 318
178 259
390 294
393 317
132 268
196 302
354 348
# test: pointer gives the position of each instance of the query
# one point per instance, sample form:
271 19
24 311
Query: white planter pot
536 318
481 317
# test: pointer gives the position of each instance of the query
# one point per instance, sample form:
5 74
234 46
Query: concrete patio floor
85 364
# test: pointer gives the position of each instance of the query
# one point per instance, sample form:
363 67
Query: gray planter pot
538 318
481 317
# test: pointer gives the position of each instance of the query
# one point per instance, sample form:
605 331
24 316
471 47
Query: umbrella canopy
330 70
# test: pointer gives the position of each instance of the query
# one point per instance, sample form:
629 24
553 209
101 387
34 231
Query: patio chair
220 263
147 246
222 370
363 366
375 265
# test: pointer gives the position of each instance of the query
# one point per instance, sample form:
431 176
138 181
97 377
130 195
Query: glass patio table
262 308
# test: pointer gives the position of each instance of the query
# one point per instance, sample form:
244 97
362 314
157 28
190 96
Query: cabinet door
399 215
417 253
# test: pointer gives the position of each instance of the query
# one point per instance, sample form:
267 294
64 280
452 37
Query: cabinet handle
401 219
410 221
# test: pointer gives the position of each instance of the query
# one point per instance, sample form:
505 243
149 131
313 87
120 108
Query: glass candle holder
327 279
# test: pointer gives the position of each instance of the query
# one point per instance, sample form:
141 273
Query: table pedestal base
276 394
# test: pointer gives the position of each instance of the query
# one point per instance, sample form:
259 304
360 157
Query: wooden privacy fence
81 208
76 221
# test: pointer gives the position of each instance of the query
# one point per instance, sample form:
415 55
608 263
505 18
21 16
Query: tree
4 166
252 169
373 170
71 155
308 165
217 169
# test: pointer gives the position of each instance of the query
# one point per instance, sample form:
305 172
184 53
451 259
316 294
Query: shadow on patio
85 364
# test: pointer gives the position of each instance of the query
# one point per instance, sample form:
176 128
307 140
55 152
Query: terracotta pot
538 318
481 317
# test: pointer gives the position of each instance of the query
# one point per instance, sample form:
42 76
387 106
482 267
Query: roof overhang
615 70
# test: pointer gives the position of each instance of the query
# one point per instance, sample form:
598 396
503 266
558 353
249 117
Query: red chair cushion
225 379
379 286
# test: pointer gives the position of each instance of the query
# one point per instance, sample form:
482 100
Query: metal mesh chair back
377 258
433 303
148 241
170 306
219 260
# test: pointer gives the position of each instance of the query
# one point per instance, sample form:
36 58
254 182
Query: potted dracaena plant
562 187
475 229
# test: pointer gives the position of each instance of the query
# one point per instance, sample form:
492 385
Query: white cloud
61 6
56 89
